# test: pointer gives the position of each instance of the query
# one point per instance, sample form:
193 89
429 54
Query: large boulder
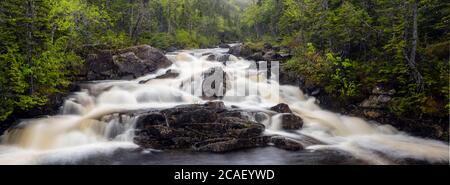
281 108
211 58
235 50
241 50
128 63
291 122
209 127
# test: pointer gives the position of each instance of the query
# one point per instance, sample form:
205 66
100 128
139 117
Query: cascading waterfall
91 121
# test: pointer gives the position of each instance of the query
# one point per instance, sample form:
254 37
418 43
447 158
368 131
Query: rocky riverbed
159 119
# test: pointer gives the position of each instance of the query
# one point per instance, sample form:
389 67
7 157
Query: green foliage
37 50
159 40
12 81
185 39
335 74
343 80
350 47
115 40
311 64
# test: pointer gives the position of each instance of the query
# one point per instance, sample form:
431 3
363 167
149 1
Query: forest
348 47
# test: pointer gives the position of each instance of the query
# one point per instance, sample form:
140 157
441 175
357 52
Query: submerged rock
224 46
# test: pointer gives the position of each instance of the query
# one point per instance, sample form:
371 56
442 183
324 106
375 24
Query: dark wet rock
171 49
224 46
128 63
260 117
215 105
259 56
235 50
223 58
286 143
150 120
376 101
181 117
219 57
272 56
373 107
169 74
211 58
207 54
210 127
281 108
241 50
250 130
265 53
291 122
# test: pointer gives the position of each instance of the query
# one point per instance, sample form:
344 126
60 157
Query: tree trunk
52 39
169 22
131 11
412 59
134 34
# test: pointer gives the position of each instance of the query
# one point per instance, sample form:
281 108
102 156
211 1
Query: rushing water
82 135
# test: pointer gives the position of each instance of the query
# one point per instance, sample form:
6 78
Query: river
77 136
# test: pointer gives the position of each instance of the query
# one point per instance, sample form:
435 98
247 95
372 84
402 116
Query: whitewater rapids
79 132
